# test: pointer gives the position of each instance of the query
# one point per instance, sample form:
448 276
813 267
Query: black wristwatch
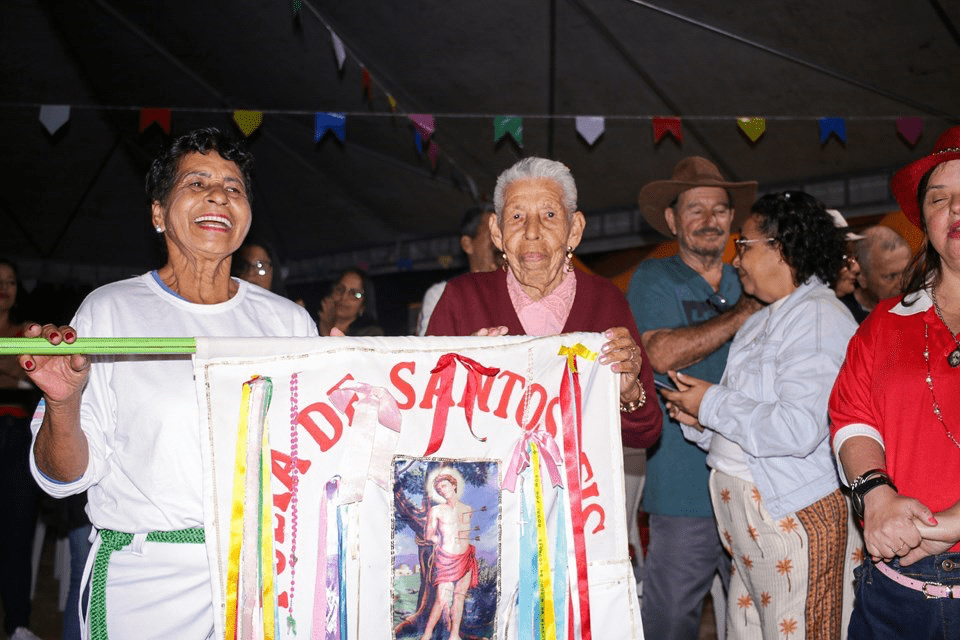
866 483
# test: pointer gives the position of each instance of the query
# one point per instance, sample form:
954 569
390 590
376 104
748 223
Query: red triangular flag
910 129
662 126
434 152
366 81
160 116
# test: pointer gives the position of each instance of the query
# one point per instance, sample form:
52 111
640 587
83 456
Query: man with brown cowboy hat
687 308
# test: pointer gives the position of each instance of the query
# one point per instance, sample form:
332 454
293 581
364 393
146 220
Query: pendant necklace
936 406
954 358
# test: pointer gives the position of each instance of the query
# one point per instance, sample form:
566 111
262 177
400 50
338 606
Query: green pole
97 346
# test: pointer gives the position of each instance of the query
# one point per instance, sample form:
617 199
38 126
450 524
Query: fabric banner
454 487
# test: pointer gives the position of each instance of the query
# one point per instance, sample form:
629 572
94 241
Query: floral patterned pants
788 573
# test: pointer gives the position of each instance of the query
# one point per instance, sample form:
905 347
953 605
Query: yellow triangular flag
393 103
248 121
753 127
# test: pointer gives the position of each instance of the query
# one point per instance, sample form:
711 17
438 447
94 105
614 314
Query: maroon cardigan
480 300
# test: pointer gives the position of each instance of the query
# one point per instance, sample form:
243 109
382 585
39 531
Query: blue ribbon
560 577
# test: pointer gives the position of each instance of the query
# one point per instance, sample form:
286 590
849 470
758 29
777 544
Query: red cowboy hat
906 182
689 173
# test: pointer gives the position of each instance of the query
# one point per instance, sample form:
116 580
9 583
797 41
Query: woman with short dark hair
127 427
773 483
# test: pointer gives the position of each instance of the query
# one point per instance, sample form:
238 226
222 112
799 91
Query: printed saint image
446 540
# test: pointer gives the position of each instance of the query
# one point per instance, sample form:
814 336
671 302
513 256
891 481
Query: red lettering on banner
483 394
281 465
552 406
323 438
282 601
402 385
524 400
593 491
278 532
348 410
433 391
281 564
512 380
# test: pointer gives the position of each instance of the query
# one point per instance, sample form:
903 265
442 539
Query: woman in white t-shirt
126 428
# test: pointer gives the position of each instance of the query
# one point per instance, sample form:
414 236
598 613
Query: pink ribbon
520 460
388 413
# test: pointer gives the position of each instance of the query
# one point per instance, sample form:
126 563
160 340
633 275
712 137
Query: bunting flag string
590 127
159 116
910 129
508 124
753 128
54 116
248 121
663 126
328 121
833 126
338 49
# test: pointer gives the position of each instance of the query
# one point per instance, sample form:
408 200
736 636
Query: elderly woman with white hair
538 292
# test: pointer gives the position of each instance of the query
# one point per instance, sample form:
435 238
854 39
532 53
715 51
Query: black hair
369 294
474 217
277 285
14 310
810 243
926 265
163 171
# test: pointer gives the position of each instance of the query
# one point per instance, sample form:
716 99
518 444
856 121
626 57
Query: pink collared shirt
548 315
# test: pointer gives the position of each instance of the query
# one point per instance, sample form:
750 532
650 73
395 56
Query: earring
504 256
159 229
569 265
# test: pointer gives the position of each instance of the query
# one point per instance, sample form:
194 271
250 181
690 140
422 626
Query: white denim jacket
772 399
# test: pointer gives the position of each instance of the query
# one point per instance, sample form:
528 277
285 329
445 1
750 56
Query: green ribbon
41 347
111 541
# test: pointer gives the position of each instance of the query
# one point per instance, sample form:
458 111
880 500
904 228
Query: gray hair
535 169
881 237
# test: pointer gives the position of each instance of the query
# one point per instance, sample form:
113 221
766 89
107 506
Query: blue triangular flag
833 125
336 122
54 116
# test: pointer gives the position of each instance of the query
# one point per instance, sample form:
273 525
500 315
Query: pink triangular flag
590 127
54 116
424 124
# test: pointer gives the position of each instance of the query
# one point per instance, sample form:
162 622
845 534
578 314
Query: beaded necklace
954 358
294 483
936 406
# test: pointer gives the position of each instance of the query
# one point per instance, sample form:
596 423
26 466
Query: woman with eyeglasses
773 482
351 307
256 262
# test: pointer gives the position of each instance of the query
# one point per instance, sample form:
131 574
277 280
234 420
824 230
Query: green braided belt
111 541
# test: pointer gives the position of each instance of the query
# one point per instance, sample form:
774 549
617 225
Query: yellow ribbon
576 350
266 539
548 624
236 514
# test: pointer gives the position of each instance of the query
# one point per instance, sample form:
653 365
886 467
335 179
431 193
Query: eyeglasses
849 261
260 267
340 290
741 244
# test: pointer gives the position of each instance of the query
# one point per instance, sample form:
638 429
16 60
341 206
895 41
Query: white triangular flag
338 49
590 127
54 116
